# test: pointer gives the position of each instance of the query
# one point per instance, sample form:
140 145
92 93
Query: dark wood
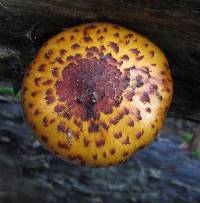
173 25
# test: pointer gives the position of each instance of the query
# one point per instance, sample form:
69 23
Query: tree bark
173 25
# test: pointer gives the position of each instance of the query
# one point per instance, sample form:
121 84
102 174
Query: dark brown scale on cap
63 52
129 95
117 135
104 155
50 99
116 119
126 41
47 82
54 72
49 91
48 54
33 94
76 135
145 97
98 31
72 38
61 127
114 46
89 27
138 114
126 141
125 154
25 89
59 108
105 30
116 34
131 123
139 134
33 126
75 46
87 39
152 53
78 123
162 72
125 111
30 105
70 58
86 142
102 48
153 88
37 80
59 60
89 55
41 68
52 120
92 49
168 90
164 82
44 138
94 157
77 56
139 58
139 80
128 36
100 143
135 51
100 38
93 127
112 151
159 96
125 57
103 125
36 112
63 145
148 110
61 39
67 113
45 121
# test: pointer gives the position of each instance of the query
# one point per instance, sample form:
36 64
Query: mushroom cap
96 93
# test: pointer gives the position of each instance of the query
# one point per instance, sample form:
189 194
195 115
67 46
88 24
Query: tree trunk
172 25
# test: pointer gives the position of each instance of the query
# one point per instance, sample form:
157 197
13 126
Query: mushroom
97 93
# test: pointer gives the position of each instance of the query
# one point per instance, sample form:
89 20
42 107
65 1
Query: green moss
9 92
187 137
196 152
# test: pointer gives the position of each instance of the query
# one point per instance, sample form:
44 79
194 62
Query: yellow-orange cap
96 93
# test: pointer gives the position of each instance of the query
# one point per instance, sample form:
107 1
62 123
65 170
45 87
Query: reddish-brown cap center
90 86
